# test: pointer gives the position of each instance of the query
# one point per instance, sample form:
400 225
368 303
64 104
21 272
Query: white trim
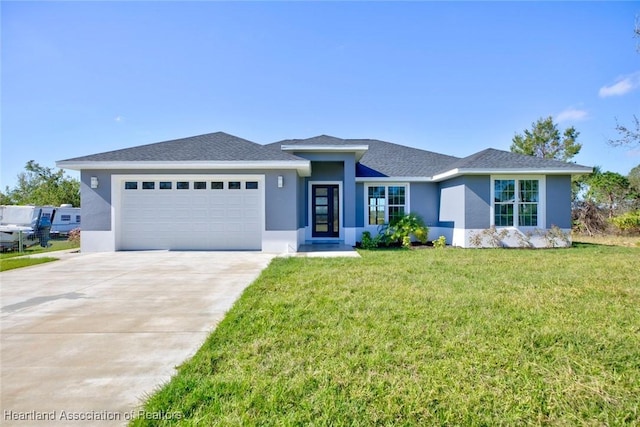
542 202
117 187
280 241
359 150
350 235
302 166
407 199
515 171
514 238
309 229
394 179
97 241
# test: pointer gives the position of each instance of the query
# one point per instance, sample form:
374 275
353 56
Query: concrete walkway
85 339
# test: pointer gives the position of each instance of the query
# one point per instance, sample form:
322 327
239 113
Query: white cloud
622 86
571 114
119 119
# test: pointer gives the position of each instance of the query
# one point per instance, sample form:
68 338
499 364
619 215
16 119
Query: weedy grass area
422 337
609 239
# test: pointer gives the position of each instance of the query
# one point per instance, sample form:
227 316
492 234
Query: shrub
628 222
74 236
493 235
440 242
405 227
369 242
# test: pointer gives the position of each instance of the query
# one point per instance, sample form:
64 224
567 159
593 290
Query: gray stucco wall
302 202
477 201
281 203
558 201
360 205
424 201
96 203
452 202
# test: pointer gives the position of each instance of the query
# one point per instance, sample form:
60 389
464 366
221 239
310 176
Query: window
396 203
515 202
148 185
377 203
234 185
65 218
78 218
251 185
387 203
199 185
182 185
504 197
131 185
165 185
528 206
217 185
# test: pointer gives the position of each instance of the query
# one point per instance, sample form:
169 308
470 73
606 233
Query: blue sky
85 77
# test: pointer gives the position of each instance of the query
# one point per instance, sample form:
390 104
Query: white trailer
66 218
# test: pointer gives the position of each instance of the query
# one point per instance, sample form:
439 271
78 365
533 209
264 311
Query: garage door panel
202 219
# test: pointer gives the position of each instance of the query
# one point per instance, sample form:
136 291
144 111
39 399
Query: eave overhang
394 179
453 173
303 167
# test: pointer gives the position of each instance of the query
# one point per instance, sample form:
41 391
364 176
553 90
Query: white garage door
203 213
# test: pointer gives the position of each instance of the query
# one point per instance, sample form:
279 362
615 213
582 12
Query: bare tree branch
629 136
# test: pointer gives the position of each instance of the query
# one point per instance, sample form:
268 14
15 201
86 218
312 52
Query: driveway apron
85 339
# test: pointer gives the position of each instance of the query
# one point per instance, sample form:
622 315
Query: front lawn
423 337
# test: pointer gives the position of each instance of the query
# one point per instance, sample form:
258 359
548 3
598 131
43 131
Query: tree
40 185
634 179
545 140
610 189
629 135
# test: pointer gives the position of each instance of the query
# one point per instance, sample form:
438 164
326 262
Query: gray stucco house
221 192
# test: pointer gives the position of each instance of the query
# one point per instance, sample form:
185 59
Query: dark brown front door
325 211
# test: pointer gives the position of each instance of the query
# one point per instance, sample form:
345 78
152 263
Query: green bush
629 222
440 242
369 242
405 227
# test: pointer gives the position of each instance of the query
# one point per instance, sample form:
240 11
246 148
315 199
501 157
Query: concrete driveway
85 339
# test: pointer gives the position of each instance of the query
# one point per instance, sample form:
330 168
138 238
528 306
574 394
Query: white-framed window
517 201
386 203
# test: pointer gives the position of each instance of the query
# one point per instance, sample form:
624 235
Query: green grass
423 337
56 245
13 263
12 260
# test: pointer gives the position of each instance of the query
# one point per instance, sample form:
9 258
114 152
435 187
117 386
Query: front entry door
325 211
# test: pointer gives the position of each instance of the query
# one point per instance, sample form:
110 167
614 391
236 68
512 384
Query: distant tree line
40 185
603 201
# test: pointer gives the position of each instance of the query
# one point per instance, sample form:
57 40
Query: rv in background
66 218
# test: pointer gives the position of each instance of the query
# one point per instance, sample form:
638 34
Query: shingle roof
383 158
505 160
218 146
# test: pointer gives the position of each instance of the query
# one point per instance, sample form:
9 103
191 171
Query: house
222 192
